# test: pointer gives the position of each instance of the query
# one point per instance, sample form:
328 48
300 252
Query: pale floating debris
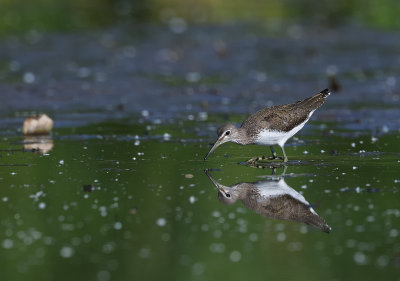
166 136
305 152
189 176
304 186
393 232
353 144
61 162
177 25
281 237
198 268
42 205
13 173
103 275
216 214
145 113
7 243
133 158
374 139
29 78
193 77
140 153
137 142
67 252
235 256
203 116
4 199
383 261
253 237
217 247
161 222
117 225
360 258
354 168
322 151
192 199
37 125
144 253
385 129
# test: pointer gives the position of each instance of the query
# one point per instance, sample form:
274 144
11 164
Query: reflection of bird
271 125
272 198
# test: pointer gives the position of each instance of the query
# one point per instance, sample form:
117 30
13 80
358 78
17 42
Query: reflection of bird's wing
285 207
285 117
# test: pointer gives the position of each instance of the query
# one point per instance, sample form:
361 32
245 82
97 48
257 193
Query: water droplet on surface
29 77
281 237
67 252
161 222
192 199
103 275
8 243
360 258
235 256
117 225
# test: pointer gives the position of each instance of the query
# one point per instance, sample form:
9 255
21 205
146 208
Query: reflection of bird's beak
214 147
219 186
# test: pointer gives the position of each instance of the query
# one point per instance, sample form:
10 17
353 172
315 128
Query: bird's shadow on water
272 198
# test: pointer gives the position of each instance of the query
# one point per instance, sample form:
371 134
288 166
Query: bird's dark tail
315 101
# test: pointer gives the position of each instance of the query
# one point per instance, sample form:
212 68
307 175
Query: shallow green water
114 201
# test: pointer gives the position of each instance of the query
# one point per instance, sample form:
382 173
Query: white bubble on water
144 253
235 256
29 77
360 258
67 252
103 275
61 162
161 222
8 243
192 199
42 205
117 225
393 233
198 268
281 237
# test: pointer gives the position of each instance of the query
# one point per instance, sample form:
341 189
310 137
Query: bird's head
226 133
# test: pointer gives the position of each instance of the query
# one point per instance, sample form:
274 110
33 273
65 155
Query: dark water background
119 191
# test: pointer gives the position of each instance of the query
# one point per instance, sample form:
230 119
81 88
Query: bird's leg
285 159
273 157
257 159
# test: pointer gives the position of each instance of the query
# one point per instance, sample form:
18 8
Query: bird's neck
242 137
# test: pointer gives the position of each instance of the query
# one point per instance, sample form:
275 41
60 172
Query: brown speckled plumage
283 117
279 206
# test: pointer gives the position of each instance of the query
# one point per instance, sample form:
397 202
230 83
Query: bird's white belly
272 137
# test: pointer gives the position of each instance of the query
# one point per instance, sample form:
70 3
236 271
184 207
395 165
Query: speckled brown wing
284 117
285 207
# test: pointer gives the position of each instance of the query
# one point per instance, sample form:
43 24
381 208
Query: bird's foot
256 160
274 157
264 158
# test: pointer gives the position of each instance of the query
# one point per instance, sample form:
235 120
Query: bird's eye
228 195
227 133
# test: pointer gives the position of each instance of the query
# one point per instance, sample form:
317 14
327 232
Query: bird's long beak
214 147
